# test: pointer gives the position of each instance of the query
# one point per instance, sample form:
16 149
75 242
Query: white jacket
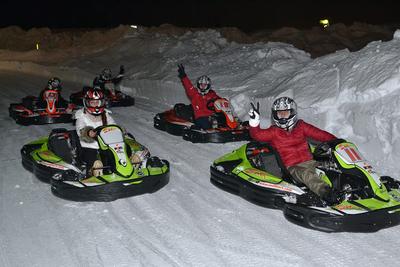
84 119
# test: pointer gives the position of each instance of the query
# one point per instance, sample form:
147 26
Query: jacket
198 101
85 122
292 146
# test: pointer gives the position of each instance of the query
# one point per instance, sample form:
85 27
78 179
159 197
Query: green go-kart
367 202
55 159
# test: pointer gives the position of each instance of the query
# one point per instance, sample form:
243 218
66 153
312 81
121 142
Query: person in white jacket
93 115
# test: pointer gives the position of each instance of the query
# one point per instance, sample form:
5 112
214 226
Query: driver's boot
332 197
97 168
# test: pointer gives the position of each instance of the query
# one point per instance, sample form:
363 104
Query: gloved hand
181 71
325 147
121 69
254 114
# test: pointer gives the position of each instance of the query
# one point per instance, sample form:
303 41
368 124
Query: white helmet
203 84
289 120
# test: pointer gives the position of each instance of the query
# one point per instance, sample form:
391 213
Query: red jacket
292 145
198 101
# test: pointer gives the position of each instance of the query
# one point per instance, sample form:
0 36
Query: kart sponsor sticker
52 165
368 167
274 186
46 153
109 129
347 207
118 148
257 172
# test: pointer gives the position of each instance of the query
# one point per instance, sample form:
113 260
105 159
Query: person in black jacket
106 77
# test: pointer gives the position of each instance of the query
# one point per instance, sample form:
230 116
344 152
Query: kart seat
264 157
184 111
65 144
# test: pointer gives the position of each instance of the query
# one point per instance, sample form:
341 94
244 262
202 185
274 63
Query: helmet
106 74
94 101
281 106
54 84
203 84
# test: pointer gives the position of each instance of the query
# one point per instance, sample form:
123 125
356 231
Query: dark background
247 15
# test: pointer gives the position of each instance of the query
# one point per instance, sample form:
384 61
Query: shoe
331 197
134 159
97 169
309 199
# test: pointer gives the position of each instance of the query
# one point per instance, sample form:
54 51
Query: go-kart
367 202
29 112
55 159
114 97
179 121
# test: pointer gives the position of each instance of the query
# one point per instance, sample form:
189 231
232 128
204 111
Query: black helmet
54 84
106 74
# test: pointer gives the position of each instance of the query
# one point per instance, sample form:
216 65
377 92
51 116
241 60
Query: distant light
134 26
324 23
37 46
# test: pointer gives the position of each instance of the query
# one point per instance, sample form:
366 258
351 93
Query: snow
189 222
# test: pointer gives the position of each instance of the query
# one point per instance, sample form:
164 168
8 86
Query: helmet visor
95 103
203 86
283 114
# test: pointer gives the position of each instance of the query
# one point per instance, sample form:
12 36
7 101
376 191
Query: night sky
247 15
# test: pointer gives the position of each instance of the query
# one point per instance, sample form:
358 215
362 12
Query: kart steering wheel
323 149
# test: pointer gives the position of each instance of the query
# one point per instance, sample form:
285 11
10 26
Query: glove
181 71
254 114
121 69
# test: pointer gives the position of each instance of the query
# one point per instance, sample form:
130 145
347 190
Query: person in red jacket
201 98
289 136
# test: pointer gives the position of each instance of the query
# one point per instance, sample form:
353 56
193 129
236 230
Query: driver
106 77
289 137
91 116
199 97
53 88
